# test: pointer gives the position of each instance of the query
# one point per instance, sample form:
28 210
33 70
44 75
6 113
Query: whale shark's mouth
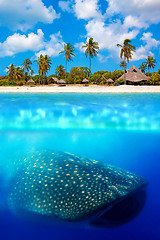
122 212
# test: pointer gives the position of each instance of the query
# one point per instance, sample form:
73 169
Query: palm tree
11 71
18 73
143 67
60 71
123 64
150 62
27 66
44 63
126 52
86 71
47 65
91 50
40 64
31 72
68 53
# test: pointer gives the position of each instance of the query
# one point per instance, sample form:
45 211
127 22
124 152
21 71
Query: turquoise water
120 129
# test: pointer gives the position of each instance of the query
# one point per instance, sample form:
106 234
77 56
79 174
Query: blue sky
31 27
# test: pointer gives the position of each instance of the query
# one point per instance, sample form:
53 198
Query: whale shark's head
69 187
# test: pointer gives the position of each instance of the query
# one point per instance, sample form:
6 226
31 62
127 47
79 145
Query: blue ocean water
120 129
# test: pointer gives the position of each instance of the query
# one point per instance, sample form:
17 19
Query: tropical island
24 75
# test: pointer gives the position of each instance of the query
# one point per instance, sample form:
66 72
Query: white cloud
18 43
135 15
102 58
79 46
83 9
143 51
145 11
86 9
148 38
52 47
36 43
23 15
133 21
109 35
66 6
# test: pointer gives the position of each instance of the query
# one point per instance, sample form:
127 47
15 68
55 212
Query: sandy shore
81 89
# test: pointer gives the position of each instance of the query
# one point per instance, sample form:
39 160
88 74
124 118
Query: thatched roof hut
109 80
134 75
61 81
53 80
31 81
85 81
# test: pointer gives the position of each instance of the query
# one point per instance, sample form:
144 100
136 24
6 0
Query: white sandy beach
81 89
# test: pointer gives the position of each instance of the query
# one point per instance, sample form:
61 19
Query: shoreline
81 89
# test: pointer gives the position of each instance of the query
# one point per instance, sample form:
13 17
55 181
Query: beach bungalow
30 81
61 82
105 79
109 80
53 80
85 81
134 75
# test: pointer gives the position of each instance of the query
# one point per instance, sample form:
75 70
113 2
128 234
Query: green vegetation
150 63
26 66
155 78
11 72
76 75
60 73
123 64
143 67
44 64
21 75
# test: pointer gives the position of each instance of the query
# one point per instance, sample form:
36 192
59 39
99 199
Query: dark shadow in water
122 212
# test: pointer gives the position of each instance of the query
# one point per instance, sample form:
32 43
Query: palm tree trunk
12 80
124 71
39 77
24 82
44 79
66 70
89 66
149 68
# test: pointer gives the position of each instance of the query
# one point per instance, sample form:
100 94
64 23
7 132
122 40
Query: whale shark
69 187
